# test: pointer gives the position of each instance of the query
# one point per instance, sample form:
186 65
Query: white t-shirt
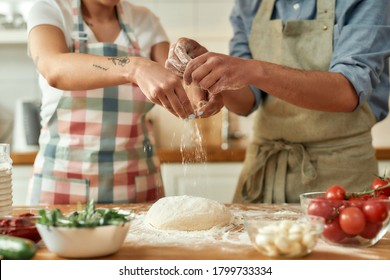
145 25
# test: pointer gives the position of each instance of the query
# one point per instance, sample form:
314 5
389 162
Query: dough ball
187 213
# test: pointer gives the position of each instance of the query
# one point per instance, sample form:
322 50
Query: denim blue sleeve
241 20
362 50
242 25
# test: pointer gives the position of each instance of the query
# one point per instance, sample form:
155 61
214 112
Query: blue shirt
361 43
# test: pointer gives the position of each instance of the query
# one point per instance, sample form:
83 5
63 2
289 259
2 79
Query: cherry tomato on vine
352 220
371 230
362 197
335 192
320 207
382 196
375 211
333 231
379 183
353 203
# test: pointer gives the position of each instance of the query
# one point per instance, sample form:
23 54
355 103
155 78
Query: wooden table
138 248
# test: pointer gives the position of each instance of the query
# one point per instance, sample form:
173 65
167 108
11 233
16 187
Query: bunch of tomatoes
353 214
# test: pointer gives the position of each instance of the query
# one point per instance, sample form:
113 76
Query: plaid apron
98 144
295 150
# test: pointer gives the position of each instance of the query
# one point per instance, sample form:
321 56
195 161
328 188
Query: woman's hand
163 88
181 53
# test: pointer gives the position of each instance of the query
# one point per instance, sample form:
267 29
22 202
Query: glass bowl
20 225
358 222
284 235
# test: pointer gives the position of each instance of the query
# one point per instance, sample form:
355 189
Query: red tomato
379 183
352 203
382 196
371 230
352 220
335 192
320 207
333 231
360 197
375 211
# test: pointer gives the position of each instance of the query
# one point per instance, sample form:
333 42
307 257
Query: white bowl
84 242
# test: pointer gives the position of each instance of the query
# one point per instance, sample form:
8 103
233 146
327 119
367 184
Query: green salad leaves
88 217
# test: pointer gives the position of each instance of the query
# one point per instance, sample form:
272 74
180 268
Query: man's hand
216 72
212 106
181 53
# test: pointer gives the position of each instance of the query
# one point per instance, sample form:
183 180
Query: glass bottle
5 180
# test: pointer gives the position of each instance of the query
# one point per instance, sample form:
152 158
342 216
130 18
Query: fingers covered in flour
181 53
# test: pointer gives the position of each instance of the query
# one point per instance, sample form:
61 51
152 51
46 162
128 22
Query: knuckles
165 86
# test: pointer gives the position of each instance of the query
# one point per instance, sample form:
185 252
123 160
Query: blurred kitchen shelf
13 36
26 158
212 154
382 153
172 155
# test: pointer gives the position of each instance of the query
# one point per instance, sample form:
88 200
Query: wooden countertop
142 244
173 155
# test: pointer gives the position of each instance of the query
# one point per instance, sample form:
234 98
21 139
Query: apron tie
269 162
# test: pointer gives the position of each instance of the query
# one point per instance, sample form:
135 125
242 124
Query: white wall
381 133
204 20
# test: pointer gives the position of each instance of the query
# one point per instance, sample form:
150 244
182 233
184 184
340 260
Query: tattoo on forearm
100 67
121 61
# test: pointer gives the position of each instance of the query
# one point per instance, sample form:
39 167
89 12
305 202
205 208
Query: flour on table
188 213
232 236
141 233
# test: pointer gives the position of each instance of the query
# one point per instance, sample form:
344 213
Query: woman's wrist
134 68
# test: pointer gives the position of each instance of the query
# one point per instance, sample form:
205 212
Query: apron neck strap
80 37
266 9
325 9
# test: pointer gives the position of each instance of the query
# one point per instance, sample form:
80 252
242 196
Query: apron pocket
354 174
149 187
54 190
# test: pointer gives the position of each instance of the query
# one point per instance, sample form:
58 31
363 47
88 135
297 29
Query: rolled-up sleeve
241 21
239 45
362 50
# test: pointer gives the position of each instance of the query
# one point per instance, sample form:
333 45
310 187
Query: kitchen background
206 21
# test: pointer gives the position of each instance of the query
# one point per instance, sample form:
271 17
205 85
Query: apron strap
79 36
148 147
266 9
132 41
326 9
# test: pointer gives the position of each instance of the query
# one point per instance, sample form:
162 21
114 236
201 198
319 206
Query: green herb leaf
90 216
